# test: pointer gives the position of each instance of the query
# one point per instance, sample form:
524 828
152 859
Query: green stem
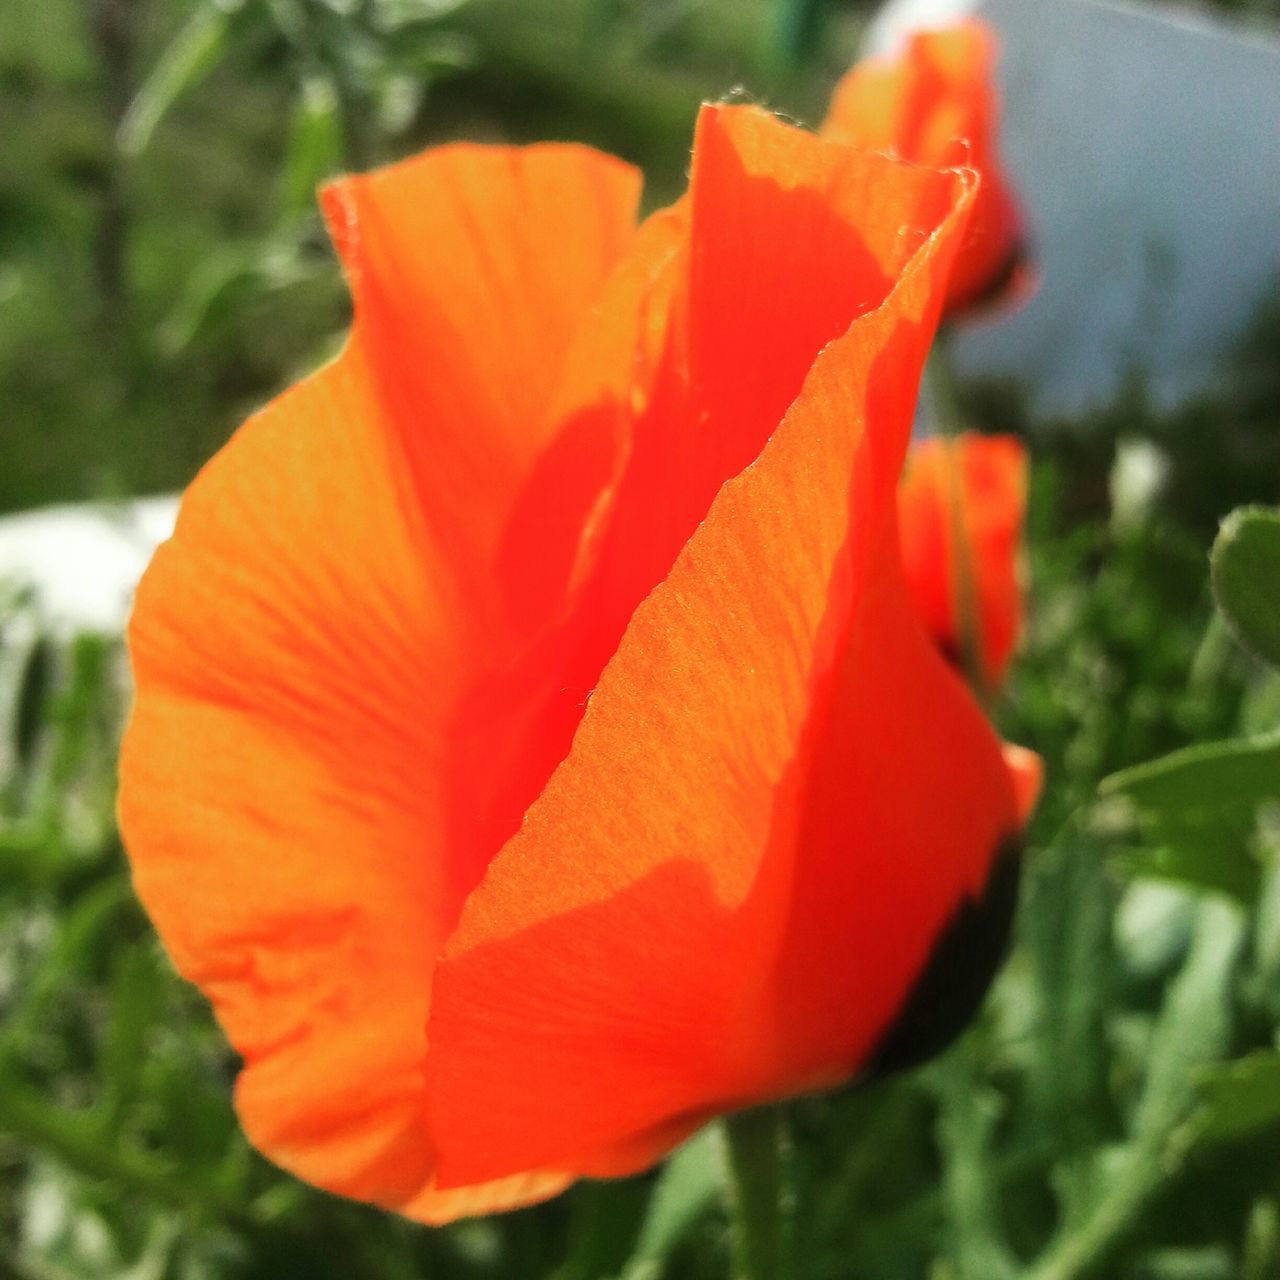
945 403
753 1147
942 386
1086 1250
964 585
797 32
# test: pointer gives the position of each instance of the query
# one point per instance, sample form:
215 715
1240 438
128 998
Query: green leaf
223 281
1245 565
1266 924
217 283
72 1138
604 1221
687 1189
1240 1097
392 15
79 936
189 57
1065 925
968 1113
136 1001
1194 1027
31 702
1199 810
315 146
1192 1033
1209 1262
798 27
1262 1242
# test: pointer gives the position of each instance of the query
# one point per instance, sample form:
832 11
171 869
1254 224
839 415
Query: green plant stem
941 386
1192 1032
796 32
950 420
964 586
753 1148
1084 1252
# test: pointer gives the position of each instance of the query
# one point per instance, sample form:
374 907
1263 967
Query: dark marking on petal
950 650
1006 283
966 956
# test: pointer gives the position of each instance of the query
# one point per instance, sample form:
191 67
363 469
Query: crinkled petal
472 269
789 239
618 969
782 241
290 780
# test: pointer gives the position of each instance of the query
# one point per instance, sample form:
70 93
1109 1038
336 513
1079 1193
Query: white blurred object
83 561
1138 474
1145 148
888 30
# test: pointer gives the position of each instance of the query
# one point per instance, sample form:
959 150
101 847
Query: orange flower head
961 506
536 749
935 103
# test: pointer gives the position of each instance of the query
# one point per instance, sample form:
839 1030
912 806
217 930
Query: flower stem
945 404
753 1142
964 585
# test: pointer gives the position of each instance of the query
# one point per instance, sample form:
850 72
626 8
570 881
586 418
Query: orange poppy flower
973 485
535 750
936 104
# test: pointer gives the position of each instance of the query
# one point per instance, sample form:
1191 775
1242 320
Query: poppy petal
301 646
472 269
825 237
692 368
706 363
277 792
614 971
1026 769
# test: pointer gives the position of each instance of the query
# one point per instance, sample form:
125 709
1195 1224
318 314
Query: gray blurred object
1145 147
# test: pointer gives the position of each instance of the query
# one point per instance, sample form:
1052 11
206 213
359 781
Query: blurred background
164 269
1116 1111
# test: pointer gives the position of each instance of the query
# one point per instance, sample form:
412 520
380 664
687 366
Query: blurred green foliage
162 266
1116 1110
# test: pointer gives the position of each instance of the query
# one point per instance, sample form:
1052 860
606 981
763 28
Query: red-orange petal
1026 769
936 103
974 485
302 645
779 790
825 238
472 269
694 364
714 355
